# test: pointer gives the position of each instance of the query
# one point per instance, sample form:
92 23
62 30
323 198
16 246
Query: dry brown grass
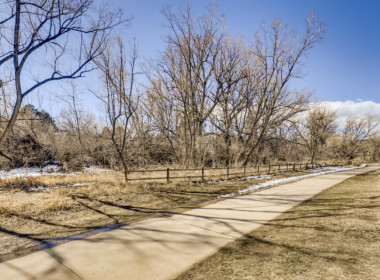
3 210
58 202
18 183
29 219
335 235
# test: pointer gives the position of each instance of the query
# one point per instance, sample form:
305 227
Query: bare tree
231 73
162 109
73 117
37 41
184 75
355 132
276 59
314 131
119 99
206 82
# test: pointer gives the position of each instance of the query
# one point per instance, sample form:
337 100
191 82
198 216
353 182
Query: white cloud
355 109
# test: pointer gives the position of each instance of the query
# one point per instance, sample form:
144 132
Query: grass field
335 235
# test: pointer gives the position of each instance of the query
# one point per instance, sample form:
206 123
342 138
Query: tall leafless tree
231 74
184 75
277 57
48 40
119 97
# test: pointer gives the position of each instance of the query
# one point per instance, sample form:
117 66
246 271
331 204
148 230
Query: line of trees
207 100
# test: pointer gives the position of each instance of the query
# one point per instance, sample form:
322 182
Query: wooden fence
202 174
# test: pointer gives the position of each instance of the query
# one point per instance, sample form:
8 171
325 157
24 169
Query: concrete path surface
162 248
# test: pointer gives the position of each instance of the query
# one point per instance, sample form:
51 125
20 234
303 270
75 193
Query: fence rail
203 174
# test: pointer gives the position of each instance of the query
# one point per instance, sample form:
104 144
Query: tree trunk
17 106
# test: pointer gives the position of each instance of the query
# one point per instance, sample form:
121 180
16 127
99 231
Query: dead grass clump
24 206
58 202
104 189
3 210
24 183
109 177
19 183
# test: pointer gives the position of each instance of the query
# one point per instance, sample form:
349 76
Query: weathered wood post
269 168
245 170
168 175
203 174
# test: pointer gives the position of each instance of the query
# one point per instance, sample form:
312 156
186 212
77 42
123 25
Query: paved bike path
162 248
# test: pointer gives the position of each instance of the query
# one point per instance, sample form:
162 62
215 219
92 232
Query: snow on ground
31 172
47 189
313 172
259 177
47 170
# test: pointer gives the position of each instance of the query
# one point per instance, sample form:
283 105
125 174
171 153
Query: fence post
306 166
269 168
279 167
258 170
294 166
245 170
168 175
203 174
228 171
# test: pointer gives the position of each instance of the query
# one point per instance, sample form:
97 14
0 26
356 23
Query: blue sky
343 72
344 67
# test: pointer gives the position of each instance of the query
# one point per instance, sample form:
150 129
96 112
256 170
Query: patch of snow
47 189
95 169
39 189
218 181
31 172
51 169
270 183
78 184
259 177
